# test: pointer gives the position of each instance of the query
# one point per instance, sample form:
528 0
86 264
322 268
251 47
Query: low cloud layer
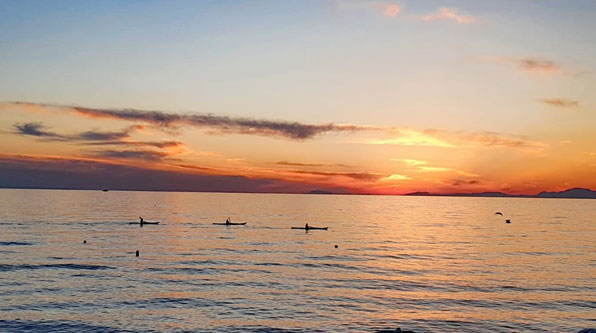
156 144
361 176
17 171
287 163
146 155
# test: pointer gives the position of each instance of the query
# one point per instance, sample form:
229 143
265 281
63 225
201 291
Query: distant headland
574 193
319 192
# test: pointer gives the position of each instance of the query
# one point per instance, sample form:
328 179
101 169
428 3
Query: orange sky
345 96
342 158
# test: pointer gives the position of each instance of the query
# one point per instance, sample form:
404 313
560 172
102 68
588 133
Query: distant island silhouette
574 193
319 192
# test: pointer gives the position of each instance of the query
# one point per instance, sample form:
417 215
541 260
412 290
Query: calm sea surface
425 264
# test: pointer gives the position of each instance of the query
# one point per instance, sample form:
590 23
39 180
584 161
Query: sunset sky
376 97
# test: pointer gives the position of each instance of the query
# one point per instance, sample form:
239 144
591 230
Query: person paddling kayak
306 226
228 221
141 220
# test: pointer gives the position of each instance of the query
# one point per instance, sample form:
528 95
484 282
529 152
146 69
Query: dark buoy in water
137 254
507 221
336 246
85 241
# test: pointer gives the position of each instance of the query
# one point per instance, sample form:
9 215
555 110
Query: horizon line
411 194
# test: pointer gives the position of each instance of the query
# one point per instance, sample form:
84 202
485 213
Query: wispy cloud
528 65
390 9
449 139
387 8
92 138
36 129
39 130
533 65
363 176
559 102
434 169
147 155
308 164
395 177
104 136
409 137
408 161
222 124
298 164
421 166
156 144
445 13
494 139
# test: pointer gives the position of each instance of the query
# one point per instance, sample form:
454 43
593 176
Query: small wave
262 329
8 268
15 243
53 326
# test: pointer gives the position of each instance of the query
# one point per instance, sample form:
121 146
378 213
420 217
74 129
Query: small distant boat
311 228
143 222
105 189
507 221
230 223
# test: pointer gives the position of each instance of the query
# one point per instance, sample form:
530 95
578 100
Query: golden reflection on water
427 264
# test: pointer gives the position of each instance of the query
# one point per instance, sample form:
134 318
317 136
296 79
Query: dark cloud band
292 130
223 124
92 138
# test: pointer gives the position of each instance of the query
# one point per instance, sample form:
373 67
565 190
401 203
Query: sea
427 264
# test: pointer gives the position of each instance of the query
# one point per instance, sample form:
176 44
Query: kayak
231 223
143 223
311 228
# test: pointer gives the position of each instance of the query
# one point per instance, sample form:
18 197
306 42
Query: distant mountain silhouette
578 192
574 193
319 192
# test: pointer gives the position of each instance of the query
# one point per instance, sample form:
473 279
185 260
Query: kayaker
140 220
228 221
306 226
